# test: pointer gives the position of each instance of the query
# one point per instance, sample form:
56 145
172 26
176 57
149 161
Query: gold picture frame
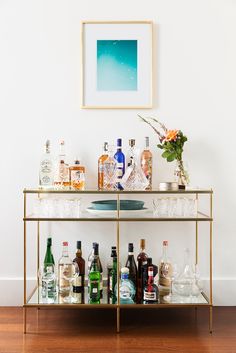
85 103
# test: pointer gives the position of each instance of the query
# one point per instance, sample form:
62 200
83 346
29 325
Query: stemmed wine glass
170 297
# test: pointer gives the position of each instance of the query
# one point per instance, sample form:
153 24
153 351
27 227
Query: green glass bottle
49 259
114 277
94 279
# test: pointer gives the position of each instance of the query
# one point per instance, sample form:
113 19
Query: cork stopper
142 244
165 242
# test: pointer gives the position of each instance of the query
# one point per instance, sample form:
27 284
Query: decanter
110 170
134 177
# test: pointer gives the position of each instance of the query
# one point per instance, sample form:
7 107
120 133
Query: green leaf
165 154
171 157
160 146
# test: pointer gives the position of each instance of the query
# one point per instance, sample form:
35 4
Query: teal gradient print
117 65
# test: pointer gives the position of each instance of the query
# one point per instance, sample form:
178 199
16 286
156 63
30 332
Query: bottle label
125 292
150 296
46 166
165 274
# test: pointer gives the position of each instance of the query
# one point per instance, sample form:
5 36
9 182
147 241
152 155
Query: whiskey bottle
165 271
61 178
101 161
49 259
77 176
46 169
120 159
146 163
131 265
150 295
112 277
78 284
94 279
142 260
131 152
64 271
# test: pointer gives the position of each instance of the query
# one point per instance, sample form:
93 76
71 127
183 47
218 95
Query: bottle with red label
150 295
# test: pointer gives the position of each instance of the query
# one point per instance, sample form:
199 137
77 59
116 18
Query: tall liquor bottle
120 167
165 271
131 152
94 279
90 261
77 175
61 178
145 272
131 265
64 270
142 260
48 259
46 169
150 295
101 161
146 163
79 290
112 277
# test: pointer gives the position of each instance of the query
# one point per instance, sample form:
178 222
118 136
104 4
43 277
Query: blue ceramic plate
111 205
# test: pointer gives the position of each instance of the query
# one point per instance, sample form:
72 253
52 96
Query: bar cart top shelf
120 192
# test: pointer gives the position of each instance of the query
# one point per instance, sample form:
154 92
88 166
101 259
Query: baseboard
224 291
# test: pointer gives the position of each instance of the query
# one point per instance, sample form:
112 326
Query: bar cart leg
25 288
118 320
210 318
24 319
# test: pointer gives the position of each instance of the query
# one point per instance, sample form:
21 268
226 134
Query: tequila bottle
101 161
146 163
46 169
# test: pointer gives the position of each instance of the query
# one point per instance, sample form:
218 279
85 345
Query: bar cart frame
201 217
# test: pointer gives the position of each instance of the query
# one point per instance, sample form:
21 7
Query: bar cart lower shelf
34 300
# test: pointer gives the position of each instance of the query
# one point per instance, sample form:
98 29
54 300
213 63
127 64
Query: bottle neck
130 253
164 252
65 251
79 253
124 276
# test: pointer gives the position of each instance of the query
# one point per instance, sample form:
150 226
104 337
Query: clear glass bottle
49 291
146 163
64 270
78 284
95 278
126 288
150 295
142 260
165 271
77 176
110 165
131 152
46 168
120 167
61 178
101 161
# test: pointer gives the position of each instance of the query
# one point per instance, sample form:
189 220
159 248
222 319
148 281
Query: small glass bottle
46 168
49 259
101 161
61 177
49 285
77 176
165 271
95 279
64 270
131 152
142 260
78 284
126 289
120 168
150 295
111 276
146 163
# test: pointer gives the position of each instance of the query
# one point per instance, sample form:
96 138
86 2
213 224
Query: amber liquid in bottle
142 260
101 161
77 176
146 163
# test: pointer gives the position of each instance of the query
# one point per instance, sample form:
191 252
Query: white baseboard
224 291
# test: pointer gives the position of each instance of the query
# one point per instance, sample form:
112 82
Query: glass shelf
35 300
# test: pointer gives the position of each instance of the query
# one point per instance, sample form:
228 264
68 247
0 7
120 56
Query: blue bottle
120 158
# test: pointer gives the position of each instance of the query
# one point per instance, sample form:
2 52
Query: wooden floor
164 331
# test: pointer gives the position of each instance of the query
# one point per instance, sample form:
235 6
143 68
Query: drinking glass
170 297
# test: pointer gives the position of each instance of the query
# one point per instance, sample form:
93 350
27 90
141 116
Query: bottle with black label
78 283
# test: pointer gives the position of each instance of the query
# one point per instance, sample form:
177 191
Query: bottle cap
77 161
65 243
78 244
105 146
119 142
142 243
132 142
149 261
131 247
96 249
124 270
113 247
47 144
147 141
49 241
165 242
94 244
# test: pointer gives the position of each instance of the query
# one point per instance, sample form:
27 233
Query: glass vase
181 174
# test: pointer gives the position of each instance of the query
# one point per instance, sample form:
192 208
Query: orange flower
171 135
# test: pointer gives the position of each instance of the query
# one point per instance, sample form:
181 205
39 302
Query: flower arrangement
172 143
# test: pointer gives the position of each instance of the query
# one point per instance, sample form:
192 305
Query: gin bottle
46 169
127 289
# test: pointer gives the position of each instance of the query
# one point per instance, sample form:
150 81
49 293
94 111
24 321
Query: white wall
195 90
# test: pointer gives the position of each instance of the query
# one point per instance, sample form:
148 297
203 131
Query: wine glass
68 274
174 274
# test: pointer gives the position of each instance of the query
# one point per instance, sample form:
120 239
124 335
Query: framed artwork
117 64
